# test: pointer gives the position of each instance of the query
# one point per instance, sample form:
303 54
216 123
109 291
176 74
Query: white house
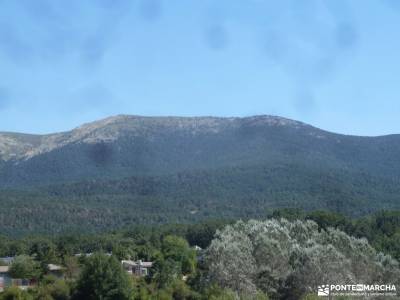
138 268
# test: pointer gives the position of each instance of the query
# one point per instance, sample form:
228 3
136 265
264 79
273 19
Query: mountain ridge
83 131
135 145
119 117
126 169
15 145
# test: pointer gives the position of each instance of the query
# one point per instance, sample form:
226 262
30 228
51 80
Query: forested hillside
124 146
231 193
127 170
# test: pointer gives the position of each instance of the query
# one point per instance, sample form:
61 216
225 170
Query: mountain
127 169
130 145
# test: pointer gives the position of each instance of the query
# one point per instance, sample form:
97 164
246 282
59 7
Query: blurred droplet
346 35
93 49
216 37
275 46
150 9
100 153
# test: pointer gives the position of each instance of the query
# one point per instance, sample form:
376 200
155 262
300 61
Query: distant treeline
381 229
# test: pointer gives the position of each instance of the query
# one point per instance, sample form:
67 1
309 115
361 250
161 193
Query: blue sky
333 64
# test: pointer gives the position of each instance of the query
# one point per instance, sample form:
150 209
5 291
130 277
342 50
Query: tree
165 271
122 252
24 266
202 234
103 278
52 288
14 293
44 251
59 290
71 267
289 259
180 291
177 249
326 219
214 292
232 264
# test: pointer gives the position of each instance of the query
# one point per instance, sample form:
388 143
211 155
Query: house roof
53 267
89 254
128 262
146 264
4 269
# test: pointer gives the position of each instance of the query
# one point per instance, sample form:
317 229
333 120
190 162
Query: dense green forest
183 272
231 193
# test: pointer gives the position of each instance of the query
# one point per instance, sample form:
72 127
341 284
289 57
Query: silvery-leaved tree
289 259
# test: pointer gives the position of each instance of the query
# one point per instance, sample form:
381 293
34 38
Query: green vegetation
251 260
381 229
103 278
135 170
98 206
24 266
287 260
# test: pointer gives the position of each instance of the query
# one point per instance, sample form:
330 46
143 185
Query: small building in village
56 270
24 283
6 280
137 268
